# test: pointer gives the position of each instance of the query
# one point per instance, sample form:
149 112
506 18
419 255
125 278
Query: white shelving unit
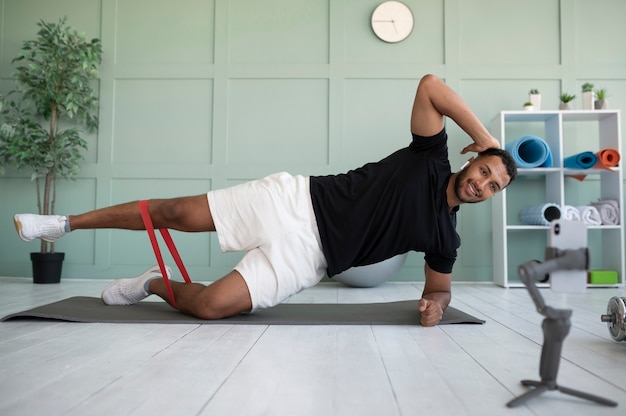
567 132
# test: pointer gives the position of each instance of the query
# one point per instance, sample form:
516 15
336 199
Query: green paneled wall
202 94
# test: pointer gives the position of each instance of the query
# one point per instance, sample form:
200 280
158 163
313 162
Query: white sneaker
47 227
131 290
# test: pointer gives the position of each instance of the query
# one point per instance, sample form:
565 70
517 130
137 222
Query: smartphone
565 235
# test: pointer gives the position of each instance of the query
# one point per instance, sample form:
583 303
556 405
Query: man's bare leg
191 214
226 297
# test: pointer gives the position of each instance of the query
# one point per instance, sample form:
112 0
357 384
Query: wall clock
392 21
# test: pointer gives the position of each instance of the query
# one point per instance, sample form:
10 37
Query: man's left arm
435 297
433 100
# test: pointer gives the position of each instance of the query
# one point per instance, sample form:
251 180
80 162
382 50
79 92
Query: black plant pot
47 267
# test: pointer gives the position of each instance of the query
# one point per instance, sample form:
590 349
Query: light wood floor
56 368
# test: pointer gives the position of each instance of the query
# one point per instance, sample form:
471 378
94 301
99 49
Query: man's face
481 179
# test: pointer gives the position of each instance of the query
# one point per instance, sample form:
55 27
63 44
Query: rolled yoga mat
530 152
607 159
90 309
540 214
583 160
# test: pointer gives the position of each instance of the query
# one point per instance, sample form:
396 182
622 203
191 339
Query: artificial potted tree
587 96
44 117
565 101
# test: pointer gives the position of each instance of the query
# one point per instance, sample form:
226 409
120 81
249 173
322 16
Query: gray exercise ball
373 274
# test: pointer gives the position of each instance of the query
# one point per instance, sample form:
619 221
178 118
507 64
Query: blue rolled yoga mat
530 152
584 160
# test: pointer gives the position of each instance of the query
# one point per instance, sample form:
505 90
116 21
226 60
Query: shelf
567 172
515 285
526 116
537 171
527 227
545 227
570 171
567 115
567 132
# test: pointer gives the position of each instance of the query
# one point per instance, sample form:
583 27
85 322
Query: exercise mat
530 152
583 160
90 309
606 159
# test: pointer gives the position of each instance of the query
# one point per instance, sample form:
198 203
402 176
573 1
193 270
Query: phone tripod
556 324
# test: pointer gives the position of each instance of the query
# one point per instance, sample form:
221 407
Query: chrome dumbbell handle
615 318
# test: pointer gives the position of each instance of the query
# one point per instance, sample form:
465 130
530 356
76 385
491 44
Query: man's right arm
435 296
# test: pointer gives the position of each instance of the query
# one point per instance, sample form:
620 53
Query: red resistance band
147 221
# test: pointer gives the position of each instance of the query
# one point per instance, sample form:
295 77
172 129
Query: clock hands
392 14
393 22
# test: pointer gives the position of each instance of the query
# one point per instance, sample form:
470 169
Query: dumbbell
615 318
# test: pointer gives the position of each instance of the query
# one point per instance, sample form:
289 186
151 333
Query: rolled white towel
609 211
590 215
570 212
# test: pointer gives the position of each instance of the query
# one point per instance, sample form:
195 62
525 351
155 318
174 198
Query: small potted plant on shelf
52 91
528 106
587 97
535 98
601 103
565 101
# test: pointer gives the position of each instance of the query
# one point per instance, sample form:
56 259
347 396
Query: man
297 229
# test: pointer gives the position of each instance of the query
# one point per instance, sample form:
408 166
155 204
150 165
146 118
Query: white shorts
272 218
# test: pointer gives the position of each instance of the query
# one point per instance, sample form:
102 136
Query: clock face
392 21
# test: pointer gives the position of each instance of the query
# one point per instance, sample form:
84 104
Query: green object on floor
602 277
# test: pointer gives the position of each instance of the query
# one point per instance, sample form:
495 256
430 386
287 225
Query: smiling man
297 229
482 180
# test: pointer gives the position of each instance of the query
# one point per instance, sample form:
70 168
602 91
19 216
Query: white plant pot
536 100
588 99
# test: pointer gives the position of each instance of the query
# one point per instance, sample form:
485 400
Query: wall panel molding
222 91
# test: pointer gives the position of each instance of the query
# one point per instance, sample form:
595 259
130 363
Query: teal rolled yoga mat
530 152
583 160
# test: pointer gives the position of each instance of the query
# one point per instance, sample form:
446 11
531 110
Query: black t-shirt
382 209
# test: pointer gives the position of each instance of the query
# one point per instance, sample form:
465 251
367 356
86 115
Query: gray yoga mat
90 309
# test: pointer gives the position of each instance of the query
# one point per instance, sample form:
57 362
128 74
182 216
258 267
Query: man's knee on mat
212 308
226 297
